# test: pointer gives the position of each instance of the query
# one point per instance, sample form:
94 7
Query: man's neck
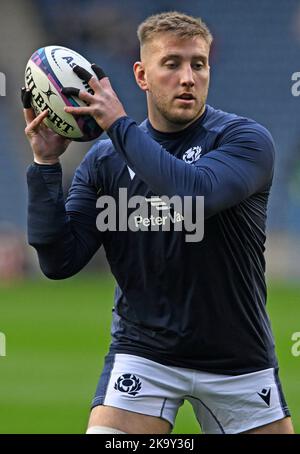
163 125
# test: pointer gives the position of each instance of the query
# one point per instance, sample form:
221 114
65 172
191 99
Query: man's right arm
65 240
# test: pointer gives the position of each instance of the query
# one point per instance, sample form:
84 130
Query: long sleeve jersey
199 305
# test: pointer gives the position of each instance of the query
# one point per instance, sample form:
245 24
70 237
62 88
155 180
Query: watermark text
2 84
296 346
295 89
152 213
2 344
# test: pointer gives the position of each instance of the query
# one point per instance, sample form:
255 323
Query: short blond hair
179 24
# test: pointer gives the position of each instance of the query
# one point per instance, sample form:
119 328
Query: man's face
176 79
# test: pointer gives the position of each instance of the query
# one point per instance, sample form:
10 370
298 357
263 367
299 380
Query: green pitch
57 334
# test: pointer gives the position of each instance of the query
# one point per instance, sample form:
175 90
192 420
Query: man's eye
199 65
171 65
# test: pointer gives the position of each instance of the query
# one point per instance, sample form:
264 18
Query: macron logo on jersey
192 155
265 394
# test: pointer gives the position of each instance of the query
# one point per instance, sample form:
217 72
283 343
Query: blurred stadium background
57 333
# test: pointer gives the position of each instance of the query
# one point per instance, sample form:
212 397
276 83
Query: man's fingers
78 110
72 91
29 115
89 78
82 73
86 77
105 83
98 71
35 123
26 98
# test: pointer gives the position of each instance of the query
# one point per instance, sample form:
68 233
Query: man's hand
46 145
103 104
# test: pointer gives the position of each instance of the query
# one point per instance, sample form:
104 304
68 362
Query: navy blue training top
199 305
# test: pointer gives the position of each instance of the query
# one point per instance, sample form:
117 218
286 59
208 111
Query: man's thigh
240 403
127 421
138 393
283 426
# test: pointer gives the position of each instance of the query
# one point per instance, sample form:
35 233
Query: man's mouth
186 98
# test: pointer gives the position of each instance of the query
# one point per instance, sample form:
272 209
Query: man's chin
183 118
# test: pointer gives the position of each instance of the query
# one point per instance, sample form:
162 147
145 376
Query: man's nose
187 76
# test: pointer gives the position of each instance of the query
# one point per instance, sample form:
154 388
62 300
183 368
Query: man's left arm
241 165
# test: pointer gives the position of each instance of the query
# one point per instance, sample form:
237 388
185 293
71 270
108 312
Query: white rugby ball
48 70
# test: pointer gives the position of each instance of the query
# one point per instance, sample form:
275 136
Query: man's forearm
64 243
46 209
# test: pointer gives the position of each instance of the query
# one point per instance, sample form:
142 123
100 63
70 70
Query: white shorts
224 404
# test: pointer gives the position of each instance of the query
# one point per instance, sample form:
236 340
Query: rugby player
189 318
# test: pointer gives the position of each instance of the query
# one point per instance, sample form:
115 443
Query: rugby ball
48 70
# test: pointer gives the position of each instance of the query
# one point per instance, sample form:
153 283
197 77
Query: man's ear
140 75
